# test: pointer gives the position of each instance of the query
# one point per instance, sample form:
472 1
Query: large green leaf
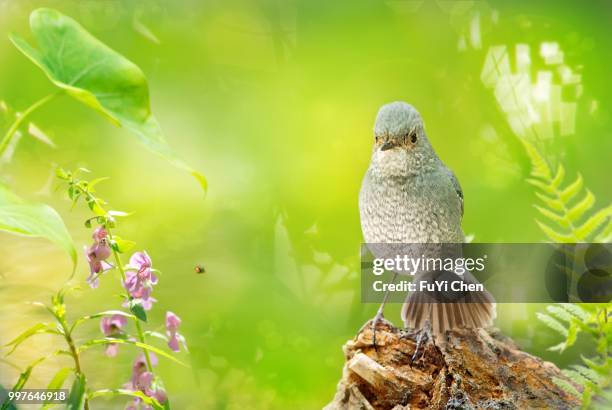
77 393
33 219
98 76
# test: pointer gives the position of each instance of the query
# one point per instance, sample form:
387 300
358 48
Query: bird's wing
457 187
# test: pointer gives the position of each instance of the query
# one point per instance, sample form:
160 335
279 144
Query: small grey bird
409 196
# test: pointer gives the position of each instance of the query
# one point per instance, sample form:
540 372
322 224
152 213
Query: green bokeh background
274 102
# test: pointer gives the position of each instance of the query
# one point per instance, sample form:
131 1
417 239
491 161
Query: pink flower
96 255
172 324
144 381
140 279
112 327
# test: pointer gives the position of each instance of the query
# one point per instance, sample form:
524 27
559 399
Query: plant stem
73 351
21 118
141 337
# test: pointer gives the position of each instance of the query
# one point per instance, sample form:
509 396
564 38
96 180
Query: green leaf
108 340
539 184
123 392
553 204
558 177
552 216
57 382
34 330
121 245
566 386
554 235
157 335
21 217
77 393
587 398
552 323
606 234
540 168
559 313
23 378
576 310
572 334
96 75
602 369
591 224
100 314
60 377
118 213
569 192
581 207
587 373
576 377
137 309
21 381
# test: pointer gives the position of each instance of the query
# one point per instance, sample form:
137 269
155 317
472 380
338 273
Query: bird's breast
407 210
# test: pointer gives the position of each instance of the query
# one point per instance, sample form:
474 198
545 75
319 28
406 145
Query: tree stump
468 369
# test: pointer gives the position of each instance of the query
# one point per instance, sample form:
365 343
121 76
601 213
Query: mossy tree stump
468 369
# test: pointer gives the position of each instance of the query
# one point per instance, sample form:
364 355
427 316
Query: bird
409 196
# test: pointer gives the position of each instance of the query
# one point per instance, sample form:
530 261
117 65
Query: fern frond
606 234
539 184
581 207
587 398
559 313
566 386
601 369
539 168
571 190
556 198
554 235
576 377
575 310
570 339
593 223
552 323
559 219
587 373
552 203
556 182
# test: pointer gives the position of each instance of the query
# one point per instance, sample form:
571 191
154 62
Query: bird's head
401 146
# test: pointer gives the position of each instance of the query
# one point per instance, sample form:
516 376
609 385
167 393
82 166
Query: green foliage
137 309
34 330
21 381
566 205
57 382
77 393
96 342
94 74
123 392
121 245
595 375
25 376
8 117
21 217
99 315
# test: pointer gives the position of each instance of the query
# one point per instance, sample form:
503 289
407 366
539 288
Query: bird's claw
377 318
424 335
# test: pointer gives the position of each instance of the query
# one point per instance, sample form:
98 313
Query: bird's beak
387 145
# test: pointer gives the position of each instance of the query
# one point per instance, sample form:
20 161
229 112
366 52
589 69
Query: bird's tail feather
477 310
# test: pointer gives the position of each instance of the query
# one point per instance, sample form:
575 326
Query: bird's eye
413 138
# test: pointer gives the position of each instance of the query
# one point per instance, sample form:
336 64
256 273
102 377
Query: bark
467 369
